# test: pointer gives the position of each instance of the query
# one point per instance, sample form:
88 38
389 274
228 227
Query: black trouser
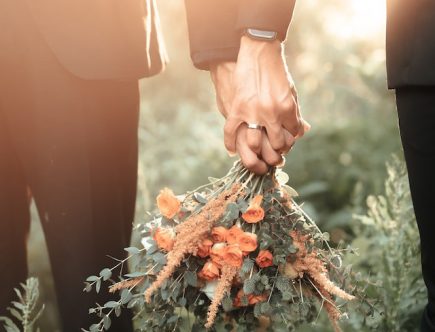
71 144
416 107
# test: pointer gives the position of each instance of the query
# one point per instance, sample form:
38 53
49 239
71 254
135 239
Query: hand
264 93
221 75
258 164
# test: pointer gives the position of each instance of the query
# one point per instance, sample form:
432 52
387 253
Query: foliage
389 242
25 310
287 288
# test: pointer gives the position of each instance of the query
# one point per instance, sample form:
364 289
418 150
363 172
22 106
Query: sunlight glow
362 19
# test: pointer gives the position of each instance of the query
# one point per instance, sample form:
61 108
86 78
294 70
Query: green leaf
159 258
132 250
248 264
199 198
94 328
265 308
191 278
227 304
282 284
16 314
105 274
98 285
231 212
111 304
264 279
287 295
126 296
249 285
152 249
92 278
107 322
257 310
88 287
290 191
172 319
136 274
182 301
118 311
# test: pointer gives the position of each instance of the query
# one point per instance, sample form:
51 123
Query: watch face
261 34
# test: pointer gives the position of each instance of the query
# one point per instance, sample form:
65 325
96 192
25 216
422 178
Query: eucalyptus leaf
107 322
132 250
200 198
126 296
105 274
191 278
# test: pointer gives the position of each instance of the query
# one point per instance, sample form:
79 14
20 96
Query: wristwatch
258 34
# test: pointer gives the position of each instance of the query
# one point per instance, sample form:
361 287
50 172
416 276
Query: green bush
388 242
26 310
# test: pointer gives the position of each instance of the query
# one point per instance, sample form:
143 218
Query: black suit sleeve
215 26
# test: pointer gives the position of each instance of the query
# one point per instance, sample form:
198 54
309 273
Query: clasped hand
258 89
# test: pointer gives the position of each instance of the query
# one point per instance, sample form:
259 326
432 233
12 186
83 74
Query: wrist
254 47
221 68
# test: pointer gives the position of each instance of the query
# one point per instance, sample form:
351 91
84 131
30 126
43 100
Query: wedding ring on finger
254 126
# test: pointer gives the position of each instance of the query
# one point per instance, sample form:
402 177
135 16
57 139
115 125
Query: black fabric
411 43
72 144
215 26
416 109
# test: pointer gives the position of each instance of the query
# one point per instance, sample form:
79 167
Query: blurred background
335 52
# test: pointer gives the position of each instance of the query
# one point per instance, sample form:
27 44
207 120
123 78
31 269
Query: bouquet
238 252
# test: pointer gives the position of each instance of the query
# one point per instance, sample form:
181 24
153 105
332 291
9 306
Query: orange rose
165 238
209 272
264 259
168 204
233 255
204 248
238 300
247 242
255 212
253 299
217 253
233 234
219 234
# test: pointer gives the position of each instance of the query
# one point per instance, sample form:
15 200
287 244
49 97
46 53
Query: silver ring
254 126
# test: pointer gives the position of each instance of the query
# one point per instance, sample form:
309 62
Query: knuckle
274 160
278 144
250 163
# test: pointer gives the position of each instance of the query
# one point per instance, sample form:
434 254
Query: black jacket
411 42
215 27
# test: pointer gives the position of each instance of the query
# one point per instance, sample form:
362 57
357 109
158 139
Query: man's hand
264 94
258 89
222 76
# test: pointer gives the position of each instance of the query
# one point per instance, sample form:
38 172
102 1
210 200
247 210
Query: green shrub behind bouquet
26 310
389 247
